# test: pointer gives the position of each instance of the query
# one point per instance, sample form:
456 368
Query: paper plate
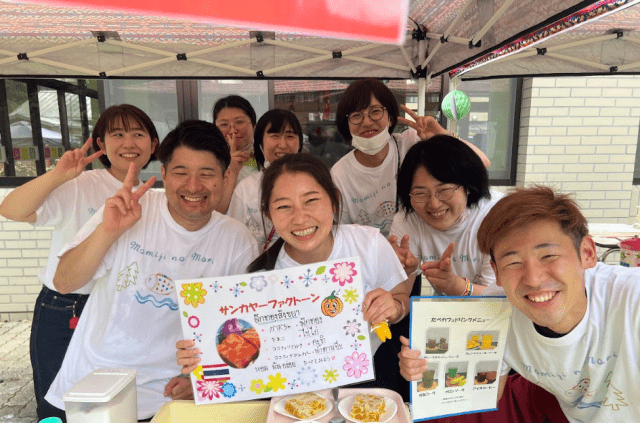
279 408
345 409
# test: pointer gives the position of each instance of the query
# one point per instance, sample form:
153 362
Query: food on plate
305 406
472 344
368 408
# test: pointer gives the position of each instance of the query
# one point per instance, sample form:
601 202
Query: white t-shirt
249 168
380 265
67 208
245 208
593 370
369 193
131 319
428 244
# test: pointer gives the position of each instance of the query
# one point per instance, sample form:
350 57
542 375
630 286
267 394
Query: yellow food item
368 408
460 380
382 330
472 344
304 406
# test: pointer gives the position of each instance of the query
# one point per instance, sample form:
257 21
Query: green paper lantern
456 105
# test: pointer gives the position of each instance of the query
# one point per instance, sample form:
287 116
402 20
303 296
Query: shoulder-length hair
278 119
236 102
448 160
122 114
358 96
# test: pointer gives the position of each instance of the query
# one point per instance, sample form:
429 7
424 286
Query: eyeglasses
445 194
375 113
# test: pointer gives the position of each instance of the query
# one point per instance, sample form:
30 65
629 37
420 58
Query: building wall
578 135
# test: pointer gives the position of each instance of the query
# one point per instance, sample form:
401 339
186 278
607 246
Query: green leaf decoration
361 337
267 389
184 313
321 270
243 284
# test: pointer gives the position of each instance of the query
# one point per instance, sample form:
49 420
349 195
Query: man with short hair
575 327
138 247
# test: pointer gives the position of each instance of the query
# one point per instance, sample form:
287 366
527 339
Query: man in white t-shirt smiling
138 246
575 327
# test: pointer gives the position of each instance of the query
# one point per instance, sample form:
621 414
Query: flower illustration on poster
343 272
193 294
283 331
207 389
356 364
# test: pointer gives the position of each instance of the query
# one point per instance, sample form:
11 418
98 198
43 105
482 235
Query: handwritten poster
463 340
278 332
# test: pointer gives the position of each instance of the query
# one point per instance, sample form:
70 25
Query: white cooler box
104 396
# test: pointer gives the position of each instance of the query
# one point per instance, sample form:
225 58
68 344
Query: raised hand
426 126
122 210
378 305
407 259
440 274
238 158
73 162
411 365
187 355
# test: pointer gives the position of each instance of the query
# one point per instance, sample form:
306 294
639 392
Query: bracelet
404 310
468 290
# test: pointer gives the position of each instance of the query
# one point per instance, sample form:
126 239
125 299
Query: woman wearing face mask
444 191
301 200
366 177
236 119
277 133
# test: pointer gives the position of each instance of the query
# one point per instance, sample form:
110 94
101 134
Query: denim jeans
50 337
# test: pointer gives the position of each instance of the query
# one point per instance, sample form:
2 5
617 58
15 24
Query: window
32 143
492 124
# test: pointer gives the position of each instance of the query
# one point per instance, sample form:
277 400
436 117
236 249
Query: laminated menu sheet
277 332
463 340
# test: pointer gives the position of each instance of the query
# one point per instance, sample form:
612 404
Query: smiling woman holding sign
300 198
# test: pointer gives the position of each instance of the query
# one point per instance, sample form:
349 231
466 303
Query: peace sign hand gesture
122 210
440 274
426 126
407 259
73 162
238 158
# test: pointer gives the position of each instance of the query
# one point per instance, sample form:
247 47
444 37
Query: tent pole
422 89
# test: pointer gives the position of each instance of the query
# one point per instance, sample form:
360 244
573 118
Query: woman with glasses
366 116
366 177
236 119
444 191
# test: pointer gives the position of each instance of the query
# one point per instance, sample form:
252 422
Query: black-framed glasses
375 113
444 194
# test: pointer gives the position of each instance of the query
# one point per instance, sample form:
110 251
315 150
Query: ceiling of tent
52 41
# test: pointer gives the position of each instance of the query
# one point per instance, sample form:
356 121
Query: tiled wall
580 135
577 134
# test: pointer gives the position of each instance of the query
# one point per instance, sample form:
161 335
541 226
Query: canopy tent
468 38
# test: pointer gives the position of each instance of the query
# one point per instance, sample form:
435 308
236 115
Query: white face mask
371 145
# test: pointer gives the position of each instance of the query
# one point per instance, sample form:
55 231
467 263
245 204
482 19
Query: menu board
278 332
463 341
